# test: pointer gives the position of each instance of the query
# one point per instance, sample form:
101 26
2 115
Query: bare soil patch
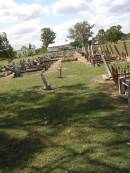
54 67
109 87
82 59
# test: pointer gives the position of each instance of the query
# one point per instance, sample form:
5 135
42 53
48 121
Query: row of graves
39 63
94 56
111 53
117 67
27 66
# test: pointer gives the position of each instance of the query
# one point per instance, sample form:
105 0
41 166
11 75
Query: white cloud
102 13
62 31
105 13
24 33
12 11
119 6
23 21
62 7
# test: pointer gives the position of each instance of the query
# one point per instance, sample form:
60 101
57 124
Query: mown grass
75 128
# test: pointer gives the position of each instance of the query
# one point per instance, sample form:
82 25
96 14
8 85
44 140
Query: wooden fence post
111 49
117 50
106 66
124 43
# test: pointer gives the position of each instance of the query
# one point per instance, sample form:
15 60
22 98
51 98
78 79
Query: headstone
47 86
121 86
16 69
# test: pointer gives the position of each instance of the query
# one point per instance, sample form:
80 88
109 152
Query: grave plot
114 66
111 54
121 76
65 130
36 64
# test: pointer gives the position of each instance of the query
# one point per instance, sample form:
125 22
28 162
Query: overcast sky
22 20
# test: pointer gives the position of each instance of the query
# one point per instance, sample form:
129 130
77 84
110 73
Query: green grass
75 128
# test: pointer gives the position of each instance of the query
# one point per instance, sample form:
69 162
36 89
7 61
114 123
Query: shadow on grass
70 106
31 108
15 152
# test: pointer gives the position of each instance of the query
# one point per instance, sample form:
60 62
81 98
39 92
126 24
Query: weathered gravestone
17 70
121 86
23 65
47 86
124 87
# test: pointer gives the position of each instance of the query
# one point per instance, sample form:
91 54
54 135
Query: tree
6 50
81 32
40 51
75 44
30 46
47 37
114 33
101 36
126 36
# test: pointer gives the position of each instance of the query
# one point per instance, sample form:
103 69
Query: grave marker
47 86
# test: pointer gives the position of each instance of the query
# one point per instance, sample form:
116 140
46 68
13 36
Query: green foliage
41 50
76 44
6 51
47 37
101 36
30 53
126 36
81 32
30 46
114 33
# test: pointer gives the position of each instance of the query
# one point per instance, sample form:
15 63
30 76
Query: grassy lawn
75 128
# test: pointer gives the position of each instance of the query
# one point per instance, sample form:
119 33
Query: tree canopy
101 36
6 50
75 44
81 32
114 33
47 37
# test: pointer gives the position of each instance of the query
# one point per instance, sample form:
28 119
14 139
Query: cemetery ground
79 127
